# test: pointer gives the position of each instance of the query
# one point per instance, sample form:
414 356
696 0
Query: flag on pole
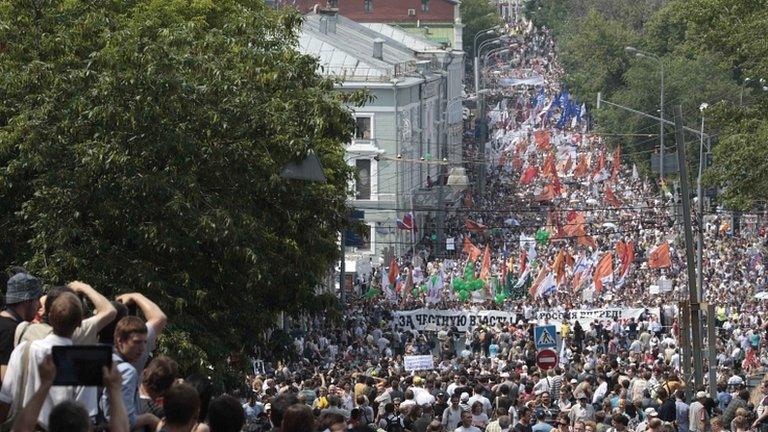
610 198
407 223
659 257
529 175
470 249
616 162
534 289
603 272
485 269
394 272
547 286
473 226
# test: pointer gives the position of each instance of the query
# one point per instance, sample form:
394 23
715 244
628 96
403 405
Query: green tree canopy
141 146
477 15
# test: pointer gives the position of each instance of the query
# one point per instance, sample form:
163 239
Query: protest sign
418 362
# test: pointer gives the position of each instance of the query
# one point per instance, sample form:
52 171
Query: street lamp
477 59
644 54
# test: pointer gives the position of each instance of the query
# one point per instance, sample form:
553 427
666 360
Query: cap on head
22 287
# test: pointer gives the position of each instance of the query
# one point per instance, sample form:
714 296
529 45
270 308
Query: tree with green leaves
141 147
477 15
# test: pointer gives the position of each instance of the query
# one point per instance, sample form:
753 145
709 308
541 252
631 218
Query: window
333 3
363 180
425 5
368 5
363 128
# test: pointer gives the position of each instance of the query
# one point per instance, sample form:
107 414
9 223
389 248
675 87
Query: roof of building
410 40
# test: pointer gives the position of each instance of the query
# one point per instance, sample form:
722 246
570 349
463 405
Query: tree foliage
477 15
141 145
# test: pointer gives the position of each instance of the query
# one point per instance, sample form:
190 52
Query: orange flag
567 165
485 269
582 167
549 169
621 250
530 173
394 271
542 139
470 249
600 164
616 162
610 198
603 271
523 260
628 258
535 285
658 257
559 266
473 226
548 194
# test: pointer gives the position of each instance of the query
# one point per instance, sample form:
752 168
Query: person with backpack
390 421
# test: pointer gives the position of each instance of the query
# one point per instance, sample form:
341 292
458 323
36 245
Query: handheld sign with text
546 359
418 362
545 336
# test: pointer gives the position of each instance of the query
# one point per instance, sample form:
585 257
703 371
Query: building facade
412 123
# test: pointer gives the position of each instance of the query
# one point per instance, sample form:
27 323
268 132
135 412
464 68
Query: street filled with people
565 233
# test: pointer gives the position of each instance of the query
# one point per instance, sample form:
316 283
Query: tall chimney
378 48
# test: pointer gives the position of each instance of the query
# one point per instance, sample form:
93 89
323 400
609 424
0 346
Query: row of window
368 5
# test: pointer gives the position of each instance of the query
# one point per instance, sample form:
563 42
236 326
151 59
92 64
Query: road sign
546 359
545 336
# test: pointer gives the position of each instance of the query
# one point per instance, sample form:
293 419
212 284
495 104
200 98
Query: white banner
418 362
434 320
586 316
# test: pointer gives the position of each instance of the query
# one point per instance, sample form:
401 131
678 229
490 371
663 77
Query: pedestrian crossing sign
545 336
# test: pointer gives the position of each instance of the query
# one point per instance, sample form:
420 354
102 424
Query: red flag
567 165
530 173
600 164
473 226
559 266
621 250
535 285
523 260
470 249
549 169
582 167
485 268
542 139
610 198
394 271
604 270
628 258
659 257
548 194
616 162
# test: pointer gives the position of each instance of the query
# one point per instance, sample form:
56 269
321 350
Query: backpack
394 424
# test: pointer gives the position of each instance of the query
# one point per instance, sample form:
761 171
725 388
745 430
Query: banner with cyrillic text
586 316
434 320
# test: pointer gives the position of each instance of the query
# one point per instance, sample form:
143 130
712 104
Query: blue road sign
545 336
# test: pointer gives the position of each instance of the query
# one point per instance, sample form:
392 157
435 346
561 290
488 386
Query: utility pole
711 347
685 343
693 296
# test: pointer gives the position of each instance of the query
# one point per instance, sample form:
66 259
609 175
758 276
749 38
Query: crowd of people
563 224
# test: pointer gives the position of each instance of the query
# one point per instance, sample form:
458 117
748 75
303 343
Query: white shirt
57 394
483 400
422 396
467 429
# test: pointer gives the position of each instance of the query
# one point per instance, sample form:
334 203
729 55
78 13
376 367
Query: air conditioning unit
411 12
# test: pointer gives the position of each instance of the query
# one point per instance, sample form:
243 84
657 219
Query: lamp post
645 54
489 31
